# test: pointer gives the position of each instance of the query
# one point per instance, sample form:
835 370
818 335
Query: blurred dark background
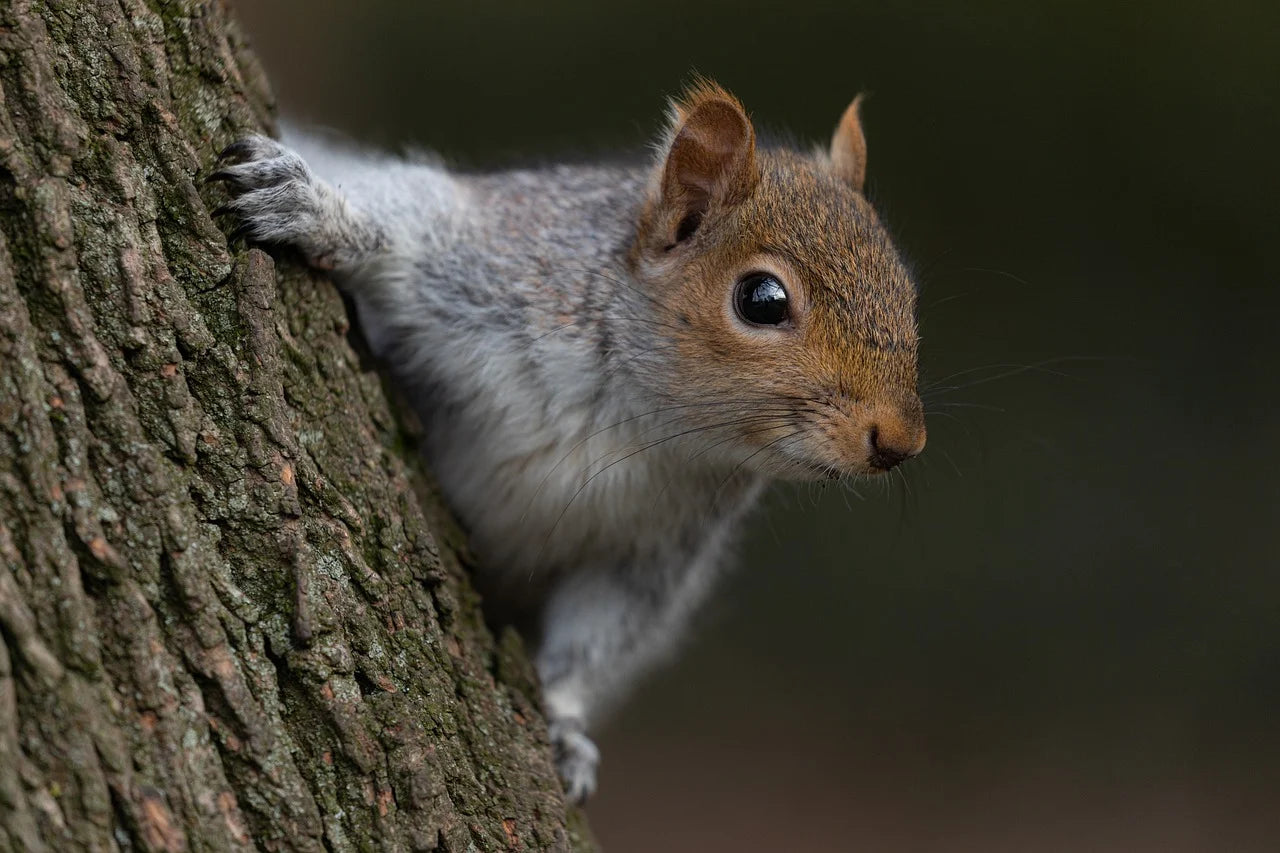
1061 630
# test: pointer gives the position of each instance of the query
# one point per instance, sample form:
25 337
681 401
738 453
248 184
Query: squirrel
612 360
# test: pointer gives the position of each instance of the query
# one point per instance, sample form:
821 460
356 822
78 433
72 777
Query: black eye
761 299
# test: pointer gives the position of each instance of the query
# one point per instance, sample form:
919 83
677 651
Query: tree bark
232 616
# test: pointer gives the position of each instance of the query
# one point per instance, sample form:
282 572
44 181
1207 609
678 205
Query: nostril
884 455
886 459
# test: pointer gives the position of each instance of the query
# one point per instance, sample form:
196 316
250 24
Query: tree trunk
231 614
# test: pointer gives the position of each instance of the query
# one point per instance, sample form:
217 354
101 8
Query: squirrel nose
892 446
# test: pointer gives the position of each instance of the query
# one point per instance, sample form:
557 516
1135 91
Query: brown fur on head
832 389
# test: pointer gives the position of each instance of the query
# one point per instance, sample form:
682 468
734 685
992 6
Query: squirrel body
611 361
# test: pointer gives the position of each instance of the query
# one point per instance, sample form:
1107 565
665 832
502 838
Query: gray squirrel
611 361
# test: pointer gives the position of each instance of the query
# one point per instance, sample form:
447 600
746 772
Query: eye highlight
761 300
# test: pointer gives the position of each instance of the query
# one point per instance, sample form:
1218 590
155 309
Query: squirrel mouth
816 471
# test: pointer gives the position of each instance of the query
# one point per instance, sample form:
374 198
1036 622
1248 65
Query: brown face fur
830 392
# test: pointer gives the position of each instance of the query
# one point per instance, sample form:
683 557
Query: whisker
1002 273
943 301
616 281
649 321
767 428
970 406
747 459
995 366
651 413
932 412
1008 370
650 445
710 447
626 361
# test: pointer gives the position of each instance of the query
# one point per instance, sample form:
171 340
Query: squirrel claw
237 150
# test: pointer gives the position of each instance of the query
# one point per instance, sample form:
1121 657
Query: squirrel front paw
280 202
576 758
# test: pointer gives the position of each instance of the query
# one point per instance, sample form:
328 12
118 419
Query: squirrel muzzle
892 435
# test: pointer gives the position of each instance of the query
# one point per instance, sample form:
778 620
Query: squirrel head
793 316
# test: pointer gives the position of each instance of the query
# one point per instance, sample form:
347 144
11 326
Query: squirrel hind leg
279 201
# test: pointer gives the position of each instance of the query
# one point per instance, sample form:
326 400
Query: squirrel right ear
849 148
711 159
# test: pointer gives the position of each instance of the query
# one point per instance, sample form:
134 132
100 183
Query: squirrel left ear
710 159
849 148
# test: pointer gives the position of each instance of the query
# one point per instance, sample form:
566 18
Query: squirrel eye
761 300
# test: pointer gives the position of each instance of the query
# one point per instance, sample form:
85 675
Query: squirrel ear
849 148
711 158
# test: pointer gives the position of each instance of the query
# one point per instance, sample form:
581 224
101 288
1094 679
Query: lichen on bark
226 618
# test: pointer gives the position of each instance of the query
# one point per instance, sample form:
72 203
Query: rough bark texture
231 617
